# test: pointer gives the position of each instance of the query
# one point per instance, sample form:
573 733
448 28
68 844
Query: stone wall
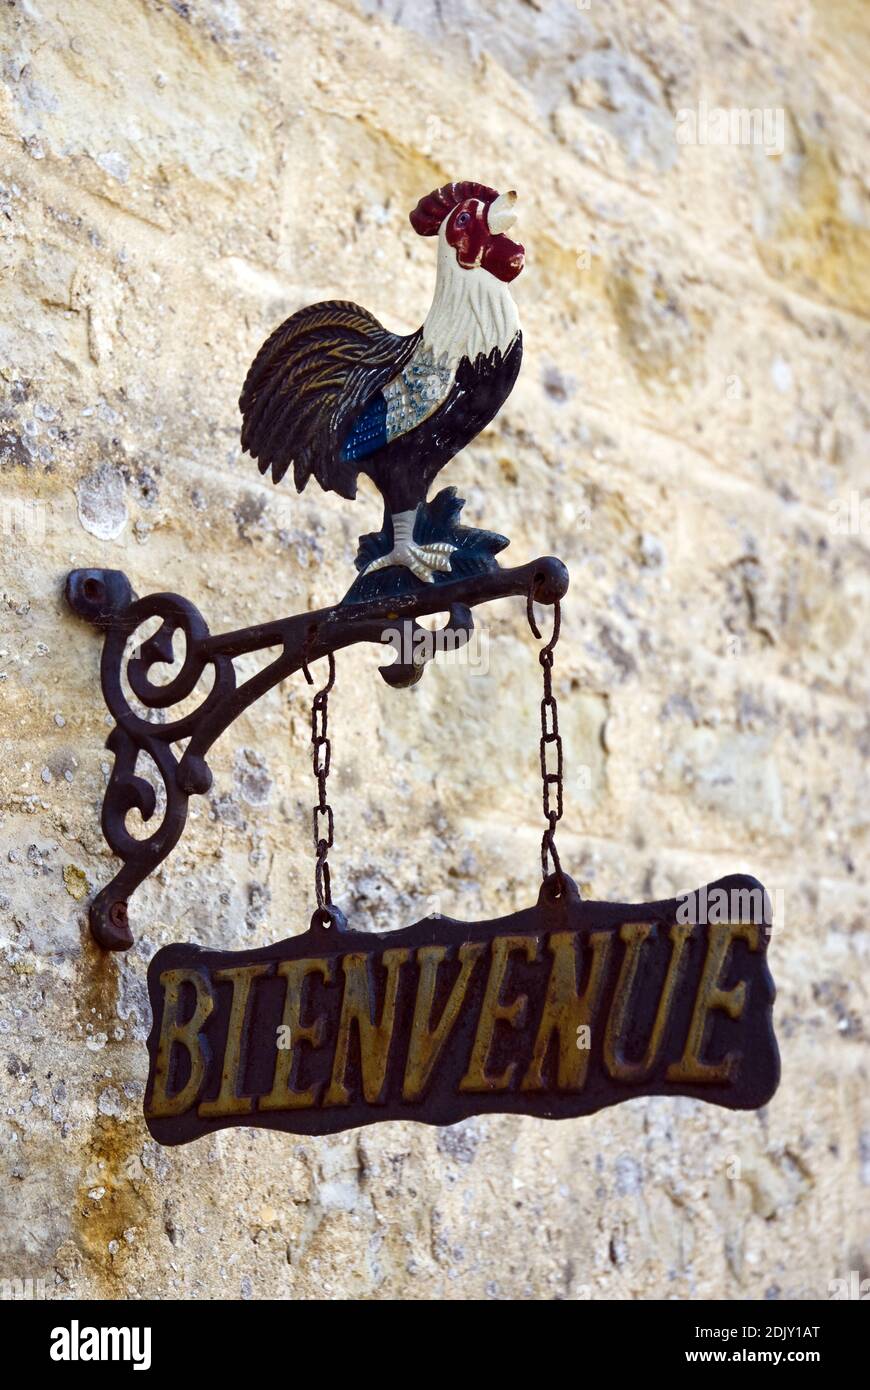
688 432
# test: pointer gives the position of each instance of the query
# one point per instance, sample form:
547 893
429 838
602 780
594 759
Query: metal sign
555 1011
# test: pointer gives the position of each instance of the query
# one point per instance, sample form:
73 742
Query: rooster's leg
421 560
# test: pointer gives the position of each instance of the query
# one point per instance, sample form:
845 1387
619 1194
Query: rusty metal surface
446 1019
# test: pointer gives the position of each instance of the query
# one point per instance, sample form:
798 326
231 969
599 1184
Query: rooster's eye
463 219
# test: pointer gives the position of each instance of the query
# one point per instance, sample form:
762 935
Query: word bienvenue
445 1019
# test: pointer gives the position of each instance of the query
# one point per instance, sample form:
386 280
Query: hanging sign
555 1011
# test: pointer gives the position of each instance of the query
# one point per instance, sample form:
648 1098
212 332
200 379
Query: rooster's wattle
334 393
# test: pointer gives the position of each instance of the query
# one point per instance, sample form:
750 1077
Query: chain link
322 820
552 768
550 746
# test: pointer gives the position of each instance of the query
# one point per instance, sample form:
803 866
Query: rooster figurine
335 393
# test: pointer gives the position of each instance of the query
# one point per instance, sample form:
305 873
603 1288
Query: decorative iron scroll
555 1011
106 599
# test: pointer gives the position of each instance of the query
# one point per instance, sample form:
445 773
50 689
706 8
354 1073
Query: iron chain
552 767
322 820
550 747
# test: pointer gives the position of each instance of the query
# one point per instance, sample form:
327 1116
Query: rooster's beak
501 213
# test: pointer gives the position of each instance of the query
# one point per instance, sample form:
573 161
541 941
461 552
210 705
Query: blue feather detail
368 432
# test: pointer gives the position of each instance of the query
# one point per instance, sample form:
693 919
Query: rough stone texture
688 432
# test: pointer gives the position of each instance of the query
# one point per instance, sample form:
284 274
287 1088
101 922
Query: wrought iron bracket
106 599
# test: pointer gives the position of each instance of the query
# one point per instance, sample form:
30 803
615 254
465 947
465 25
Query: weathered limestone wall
688 432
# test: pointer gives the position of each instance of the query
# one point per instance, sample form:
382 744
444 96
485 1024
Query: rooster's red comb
431 211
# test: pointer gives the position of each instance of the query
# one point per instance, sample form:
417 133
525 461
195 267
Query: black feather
307 384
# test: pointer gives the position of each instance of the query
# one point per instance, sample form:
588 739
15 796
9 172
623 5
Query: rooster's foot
427 547
421 560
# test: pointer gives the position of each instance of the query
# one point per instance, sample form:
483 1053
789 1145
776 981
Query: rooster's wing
308 383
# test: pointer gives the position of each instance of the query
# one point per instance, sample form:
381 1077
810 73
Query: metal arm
105 598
